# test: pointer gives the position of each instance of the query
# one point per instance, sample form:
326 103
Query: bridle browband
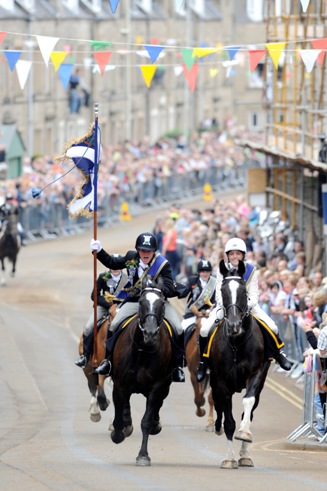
141 321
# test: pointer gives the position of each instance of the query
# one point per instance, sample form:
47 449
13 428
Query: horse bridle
244 313
150 314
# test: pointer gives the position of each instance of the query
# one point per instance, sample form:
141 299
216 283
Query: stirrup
104 368
82 361
201 371
178 375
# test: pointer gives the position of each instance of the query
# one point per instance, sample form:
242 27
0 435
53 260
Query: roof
294 158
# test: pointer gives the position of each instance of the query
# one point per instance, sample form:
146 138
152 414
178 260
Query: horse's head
234 297
151 310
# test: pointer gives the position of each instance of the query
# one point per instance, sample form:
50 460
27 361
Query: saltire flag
86 155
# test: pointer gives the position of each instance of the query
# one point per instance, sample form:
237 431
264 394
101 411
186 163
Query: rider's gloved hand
95 245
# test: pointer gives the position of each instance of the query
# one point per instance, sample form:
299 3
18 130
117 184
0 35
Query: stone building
128 109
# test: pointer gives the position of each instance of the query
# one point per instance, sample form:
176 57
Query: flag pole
95 188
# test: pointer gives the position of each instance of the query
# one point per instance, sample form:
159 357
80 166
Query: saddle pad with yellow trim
271 340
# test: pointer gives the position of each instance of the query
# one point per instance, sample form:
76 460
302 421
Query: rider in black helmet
146 261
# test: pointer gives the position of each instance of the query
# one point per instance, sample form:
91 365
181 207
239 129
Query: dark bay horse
142 363
237 362
9 244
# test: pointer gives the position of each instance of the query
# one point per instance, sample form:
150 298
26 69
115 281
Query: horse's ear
241 268
222 268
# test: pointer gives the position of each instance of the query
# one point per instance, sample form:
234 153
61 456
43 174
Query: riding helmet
146 241
204 265
235 244
9 196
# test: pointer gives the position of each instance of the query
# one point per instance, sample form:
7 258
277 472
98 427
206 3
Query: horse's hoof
156 429
128 430
244 436
245 462
211 428
200 412
103 403
229 464
220 431
95 417
111 427
143 461
117 436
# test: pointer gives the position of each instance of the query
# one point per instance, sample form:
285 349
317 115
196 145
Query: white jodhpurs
261 314
215 315
188 322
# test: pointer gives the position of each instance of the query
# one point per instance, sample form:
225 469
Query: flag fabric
84 153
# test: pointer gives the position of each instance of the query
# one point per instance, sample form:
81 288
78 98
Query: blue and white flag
86 155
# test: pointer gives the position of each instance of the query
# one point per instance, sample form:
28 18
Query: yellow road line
285 394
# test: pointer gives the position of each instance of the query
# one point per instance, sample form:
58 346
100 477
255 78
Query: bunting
12 58
113 5
46 45
322 45
23 68
65 71
256 56
305 4
275 50
57 58
148 72
191 75
154 52
102 59
309 57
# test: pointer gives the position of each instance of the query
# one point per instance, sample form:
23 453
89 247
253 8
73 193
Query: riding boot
105 366
83 360
202 367
282 360
178 354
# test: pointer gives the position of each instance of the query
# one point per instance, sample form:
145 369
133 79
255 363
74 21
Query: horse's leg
13 269
229 426
101 352
151 423
94 411
244 432
119 399
210 425
245 459
101 395
127 417
3 278
199 399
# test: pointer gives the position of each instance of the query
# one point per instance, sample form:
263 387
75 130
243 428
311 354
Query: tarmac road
47 441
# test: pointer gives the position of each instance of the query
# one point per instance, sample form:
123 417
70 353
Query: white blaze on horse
237 361
9 245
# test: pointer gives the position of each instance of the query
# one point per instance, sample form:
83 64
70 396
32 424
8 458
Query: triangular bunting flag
2 36
97 45
65 72
256 56
102 58
154 52
309 57
12 58
113 4
46 45
23 69
188 58
275 50
148 71
232 50
178 5
57 57
305 4
191 75
200 52
320 44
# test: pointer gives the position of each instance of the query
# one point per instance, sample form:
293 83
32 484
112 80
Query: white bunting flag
46 45
309 57
23 69
305 4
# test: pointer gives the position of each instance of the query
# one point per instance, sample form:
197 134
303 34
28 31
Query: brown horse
9 244
192 354
142 363
99 401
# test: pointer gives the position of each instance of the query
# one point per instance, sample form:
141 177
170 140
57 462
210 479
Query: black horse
237 361
9 244
142 363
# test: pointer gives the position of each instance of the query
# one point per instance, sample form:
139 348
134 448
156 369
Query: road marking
285 393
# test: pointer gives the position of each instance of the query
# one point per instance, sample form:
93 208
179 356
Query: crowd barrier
308 426
48 218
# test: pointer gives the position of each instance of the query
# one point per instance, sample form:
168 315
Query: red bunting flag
320 44
191 75
256 56
102 58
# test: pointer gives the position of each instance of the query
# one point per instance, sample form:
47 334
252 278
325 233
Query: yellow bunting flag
213 72
57 57
275 50
200 52
148 71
